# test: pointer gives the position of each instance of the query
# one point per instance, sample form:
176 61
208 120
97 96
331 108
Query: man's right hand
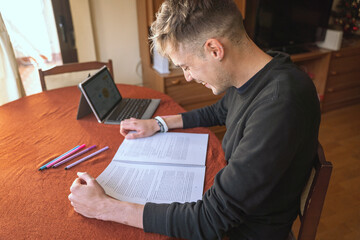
138 128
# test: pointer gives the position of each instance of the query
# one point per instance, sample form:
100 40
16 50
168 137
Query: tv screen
281 24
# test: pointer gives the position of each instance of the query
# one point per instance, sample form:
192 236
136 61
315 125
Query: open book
163 168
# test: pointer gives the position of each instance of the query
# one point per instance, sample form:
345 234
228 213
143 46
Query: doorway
34 35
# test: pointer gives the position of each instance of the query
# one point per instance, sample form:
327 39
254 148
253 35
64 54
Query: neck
249 60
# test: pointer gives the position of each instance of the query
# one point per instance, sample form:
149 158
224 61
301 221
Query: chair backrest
313 197
61 75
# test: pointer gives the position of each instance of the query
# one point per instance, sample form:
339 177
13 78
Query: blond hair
192 22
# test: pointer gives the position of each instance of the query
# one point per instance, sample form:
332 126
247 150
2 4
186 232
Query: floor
340 138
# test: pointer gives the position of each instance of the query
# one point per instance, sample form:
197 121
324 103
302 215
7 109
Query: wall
115 35
83 28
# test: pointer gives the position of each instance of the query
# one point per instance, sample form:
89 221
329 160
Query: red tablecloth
38 128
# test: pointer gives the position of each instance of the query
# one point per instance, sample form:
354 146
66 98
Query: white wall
116 37
83 28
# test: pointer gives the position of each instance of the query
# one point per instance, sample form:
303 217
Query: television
287 25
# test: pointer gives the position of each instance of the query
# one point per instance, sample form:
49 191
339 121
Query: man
272 116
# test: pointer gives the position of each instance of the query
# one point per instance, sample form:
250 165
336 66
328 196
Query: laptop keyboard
129 108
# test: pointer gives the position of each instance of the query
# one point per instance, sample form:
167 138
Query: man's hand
87 197
142 128
147 127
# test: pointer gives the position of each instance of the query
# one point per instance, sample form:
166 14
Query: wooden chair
70 74
313 196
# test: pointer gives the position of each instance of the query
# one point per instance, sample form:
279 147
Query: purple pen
74 156
86 158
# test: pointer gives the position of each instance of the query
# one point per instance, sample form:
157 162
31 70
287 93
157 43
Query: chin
217 91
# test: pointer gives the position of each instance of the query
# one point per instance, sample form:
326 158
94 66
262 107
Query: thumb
85 177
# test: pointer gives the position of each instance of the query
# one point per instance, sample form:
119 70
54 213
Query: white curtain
11 87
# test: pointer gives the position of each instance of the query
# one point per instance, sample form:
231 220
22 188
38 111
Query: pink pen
65 156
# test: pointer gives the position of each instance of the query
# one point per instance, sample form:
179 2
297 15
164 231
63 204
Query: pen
67 155
74 156
86 158
44 166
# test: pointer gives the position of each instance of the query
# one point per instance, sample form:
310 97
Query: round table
36 129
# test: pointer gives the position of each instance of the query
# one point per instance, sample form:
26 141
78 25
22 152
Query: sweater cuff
154 218
190 119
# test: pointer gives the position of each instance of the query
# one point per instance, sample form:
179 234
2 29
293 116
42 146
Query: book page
141 183
171 148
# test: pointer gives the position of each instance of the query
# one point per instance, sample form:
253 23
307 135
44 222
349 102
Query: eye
186 69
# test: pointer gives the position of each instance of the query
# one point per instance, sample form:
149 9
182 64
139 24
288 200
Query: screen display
102 92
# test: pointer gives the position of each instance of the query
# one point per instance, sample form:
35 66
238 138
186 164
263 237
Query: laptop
101 96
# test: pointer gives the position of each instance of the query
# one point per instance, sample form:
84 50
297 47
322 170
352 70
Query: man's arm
204 117
208 116
89 199
147 127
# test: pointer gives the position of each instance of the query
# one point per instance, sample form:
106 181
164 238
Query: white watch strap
163 123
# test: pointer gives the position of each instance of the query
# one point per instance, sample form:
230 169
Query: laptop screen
102 92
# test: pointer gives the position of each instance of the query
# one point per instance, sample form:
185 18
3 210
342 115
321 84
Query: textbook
164 168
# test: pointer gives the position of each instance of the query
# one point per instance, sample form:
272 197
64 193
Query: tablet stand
84 108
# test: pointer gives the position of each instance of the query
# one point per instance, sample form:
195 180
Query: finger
127 121
134 135
123 131
75 184
130 124
75 199
72 197
85 177
125 128
75 203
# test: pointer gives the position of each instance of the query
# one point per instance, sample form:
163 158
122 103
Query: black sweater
270 143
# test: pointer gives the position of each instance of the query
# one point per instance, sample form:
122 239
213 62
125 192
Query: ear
214 48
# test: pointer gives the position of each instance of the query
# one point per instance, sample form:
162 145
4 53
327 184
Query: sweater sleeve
207 116
258 184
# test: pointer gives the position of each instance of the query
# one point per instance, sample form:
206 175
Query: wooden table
38 128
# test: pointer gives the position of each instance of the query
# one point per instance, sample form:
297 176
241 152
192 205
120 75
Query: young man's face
204 70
